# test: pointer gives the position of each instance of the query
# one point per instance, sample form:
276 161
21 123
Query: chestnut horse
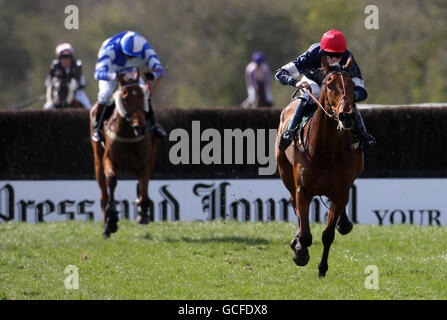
261 99
129 146
326 162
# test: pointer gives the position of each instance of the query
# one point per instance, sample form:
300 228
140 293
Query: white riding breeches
83 99
106 89
316 90
79 96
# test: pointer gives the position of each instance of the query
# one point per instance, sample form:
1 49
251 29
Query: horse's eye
331 86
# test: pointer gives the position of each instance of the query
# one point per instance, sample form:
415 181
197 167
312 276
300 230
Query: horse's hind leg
111 217
344 226
328 235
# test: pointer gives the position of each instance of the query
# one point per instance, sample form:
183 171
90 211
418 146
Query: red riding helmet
333 41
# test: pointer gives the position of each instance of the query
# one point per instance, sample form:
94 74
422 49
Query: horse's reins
152 90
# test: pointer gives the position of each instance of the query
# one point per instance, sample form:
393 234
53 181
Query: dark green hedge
55 144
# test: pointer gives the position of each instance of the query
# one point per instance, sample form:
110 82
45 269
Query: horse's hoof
111 226
322 269
111 222
293 244
344 228
143 219
301 259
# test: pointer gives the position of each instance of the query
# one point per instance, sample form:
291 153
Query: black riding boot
366 140
98 134
156 128
287 136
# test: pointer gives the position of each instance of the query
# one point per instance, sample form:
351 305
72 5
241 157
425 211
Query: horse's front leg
111 217
101 179
303 238
98 155
143 200
328 234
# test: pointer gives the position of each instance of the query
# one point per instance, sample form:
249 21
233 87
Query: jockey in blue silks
333 48
122 53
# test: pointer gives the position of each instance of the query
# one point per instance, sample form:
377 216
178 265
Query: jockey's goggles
333 54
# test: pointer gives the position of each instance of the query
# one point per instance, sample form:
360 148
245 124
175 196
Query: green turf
217 260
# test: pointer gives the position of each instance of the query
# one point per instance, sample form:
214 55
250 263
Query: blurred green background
206 44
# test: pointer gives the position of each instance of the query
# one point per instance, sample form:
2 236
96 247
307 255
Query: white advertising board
372 201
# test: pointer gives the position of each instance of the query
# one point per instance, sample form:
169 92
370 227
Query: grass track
217 260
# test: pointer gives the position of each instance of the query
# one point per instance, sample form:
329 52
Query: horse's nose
342 116
347 119
140 130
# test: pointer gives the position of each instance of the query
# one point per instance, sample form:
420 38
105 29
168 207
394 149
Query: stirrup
286 139
158 131
367 141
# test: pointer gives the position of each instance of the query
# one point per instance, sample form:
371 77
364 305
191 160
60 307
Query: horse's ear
324 63
349 64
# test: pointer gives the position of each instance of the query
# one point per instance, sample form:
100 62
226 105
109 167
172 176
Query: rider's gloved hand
304 85
291 81
360 94
149 76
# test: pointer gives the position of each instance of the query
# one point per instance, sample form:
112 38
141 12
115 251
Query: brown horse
326 162
261 99
129 146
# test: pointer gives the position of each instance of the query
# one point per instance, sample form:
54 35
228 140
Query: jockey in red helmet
333 48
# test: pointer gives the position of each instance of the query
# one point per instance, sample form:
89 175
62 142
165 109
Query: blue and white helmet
132 44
